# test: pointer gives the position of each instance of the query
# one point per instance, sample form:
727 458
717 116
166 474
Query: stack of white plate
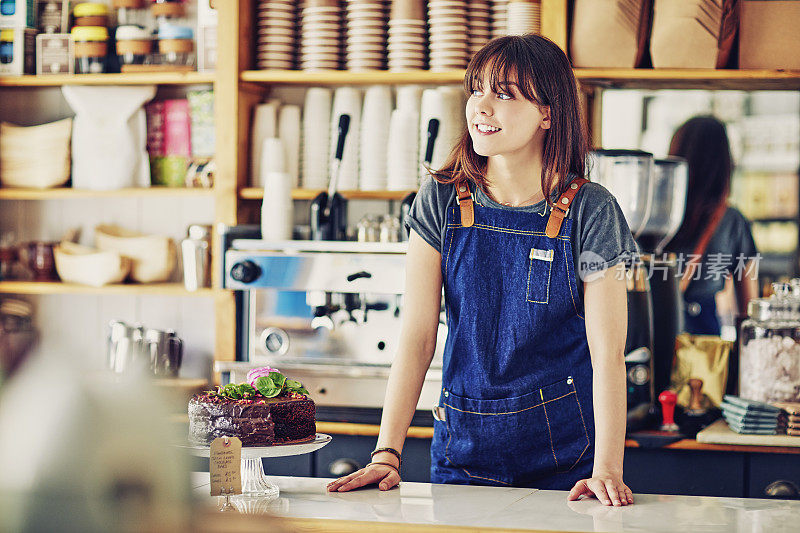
499 18
366 34
447 26
480 24
275 34
320 35
524 17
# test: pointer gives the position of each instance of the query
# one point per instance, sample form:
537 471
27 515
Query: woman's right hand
385 476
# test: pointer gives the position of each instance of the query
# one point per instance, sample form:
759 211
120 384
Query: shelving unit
238 89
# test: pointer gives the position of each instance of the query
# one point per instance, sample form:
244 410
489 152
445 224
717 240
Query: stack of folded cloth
792 411
748 416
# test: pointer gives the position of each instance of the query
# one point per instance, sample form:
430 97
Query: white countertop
512 508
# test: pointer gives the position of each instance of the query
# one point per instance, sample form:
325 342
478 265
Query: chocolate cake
269 409
257 422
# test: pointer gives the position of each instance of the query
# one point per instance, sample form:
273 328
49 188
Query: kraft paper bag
609 33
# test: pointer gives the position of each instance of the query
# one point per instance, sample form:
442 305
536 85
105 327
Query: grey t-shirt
730 247
600 234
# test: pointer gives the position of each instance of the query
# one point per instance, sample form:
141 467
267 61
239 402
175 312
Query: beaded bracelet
390 450
385 463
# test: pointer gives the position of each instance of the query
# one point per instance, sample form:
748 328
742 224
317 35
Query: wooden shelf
606 78
346 77
134 78
690 79
68 192
256 193
57 287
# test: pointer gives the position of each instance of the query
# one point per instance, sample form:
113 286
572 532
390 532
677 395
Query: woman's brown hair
703 142
544 77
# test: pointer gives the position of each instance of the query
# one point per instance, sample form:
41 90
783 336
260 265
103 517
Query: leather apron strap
465 203
559 211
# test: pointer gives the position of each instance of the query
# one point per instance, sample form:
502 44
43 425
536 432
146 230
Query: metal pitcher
126 347
165 351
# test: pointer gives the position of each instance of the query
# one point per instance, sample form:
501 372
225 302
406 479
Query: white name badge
541 255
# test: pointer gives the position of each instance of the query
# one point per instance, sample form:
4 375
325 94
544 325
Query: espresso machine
652 195
325 312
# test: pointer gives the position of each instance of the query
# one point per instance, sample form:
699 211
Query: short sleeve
743 238
427 215
605 239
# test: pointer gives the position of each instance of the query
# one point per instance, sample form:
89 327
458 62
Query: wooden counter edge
417 432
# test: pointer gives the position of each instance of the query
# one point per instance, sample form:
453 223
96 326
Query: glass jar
769 348
6 46
8 7
51 16
91 48
131 12
91 14
176 45
134 46
167 10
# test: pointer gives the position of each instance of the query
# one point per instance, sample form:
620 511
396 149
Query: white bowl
89 266
153 256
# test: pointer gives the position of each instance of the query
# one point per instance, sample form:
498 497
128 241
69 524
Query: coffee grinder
652 195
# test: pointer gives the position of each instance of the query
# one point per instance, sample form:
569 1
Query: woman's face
504 123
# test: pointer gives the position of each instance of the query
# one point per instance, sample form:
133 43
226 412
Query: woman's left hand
608 488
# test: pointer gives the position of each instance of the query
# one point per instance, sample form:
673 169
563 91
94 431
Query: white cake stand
254 483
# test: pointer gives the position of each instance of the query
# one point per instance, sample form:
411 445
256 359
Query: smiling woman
533 368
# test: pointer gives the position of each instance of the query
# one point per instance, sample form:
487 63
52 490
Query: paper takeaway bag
109 136
609 33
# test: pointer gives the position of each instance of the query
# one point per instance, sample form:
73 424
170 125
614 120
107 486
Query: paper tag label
225 466
542 255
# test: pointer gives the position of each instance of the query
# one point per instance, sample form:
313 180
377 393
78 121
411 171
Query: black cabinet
347 453
686 472
767 468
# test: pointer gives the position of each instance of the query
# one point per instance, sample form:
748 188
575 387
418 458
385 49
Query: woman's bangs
501 66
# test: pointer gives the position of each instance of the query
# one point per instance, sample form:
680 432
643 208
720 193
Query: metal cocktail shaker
196 251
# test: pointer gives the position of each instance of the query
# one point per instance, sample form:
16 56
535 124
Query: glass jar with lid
134 46
91 48
168 11
6 46
131 12
769 348
90 14
176 45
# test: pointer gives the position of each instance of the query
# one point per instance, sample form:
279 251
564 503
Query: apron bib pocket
540 268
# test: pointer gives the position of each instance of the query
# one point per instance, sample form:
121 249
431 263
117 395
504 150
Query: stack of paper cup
265 125
375 120
445 104
407 35
316 137
402 160
480 24
275 37
366 34
524 16
447 28
289 134
276 207
499 18
320 35
346 101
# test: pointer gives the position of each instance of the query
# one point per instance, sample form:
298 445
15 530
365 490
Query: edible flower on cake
266 382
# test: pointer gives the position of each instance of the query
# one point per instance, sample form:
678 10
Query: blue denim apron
517 375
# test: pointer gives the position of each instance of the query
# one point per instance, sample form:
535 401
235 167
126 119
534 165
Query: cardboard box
768 34
54 54
24 15
23 47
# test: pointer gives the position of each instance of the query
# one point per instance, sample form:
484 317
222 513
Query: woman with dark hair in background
715 239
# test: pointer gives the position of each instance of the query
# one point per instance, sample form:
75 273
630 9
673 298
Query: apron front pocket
566 425
540 269
503 442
